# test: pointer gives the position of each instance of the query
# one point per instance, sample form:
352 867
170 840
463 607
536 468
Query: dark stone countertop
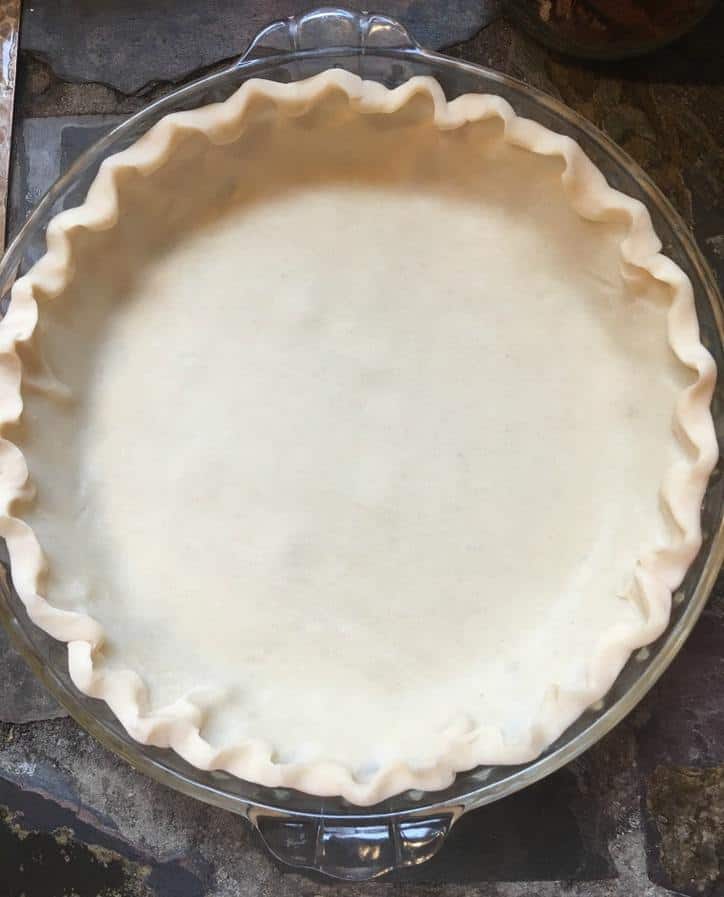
642 813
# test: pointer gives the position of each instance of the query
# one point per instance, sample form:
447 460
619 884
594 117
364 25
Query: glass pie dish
331 835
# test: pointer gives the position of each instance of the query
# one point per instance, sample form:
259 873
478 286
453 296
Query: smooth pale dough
361 430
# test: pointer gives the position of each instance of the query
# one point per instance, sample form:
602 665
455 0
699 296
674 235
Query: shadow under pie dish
348 419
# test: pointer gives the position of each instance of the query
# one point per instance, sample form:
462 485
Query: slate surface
640 814
129 44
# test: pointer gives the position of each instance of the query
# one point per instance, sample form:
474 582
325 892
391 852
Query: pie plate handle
329 28
353 849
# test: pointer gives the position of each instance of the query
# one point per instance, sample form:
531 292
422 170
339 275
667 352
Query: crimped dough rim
658 573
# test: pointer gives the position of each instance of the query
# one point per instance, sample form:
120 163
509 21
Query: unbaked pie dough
366 435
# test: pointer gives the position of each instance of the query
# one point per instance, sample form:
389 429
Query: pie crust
181 175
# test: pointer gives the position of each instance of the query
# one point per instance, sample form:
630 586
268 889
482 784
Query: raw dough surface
360 431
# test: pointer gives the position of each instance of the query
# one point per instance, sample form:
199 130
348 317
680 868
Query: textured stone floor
640 814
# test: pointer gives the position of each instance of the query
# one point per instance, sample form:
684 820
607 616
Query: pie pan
331 835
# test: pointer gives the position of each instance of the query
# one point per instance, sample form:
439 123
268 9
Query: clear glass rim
519 777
